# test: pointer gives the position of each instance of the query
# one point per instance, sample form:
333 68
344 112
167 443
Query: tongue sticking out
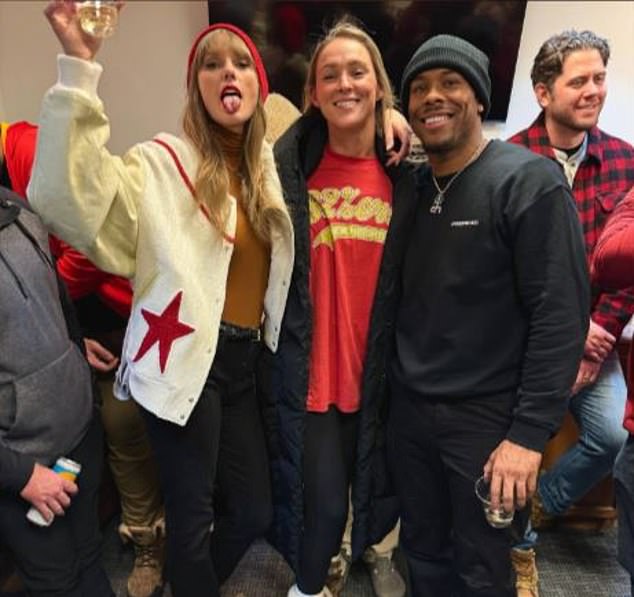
231 103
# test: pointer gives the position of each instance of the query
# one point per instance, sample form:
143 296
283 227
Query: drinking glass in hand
98 17
497 518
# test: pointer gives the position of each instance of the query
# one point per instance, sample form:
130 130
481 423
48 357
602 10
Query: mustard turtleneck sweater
251 259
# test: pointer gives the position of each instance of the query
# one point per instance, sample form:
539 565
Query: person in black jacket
349 212
489 332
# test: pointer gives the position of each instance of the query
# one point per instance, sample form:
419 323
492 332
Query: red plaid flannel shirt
602 180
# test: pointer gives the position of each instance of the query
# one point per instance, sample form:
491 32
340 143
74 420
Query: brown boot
540 519
338 573
526 572
146 578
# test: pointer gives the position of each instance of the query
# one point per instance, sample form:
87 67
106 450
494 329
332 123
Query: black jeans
214 475
330 441
436 451
64 559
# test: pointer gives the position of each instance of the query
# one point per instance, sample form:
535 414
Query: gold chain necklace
436 206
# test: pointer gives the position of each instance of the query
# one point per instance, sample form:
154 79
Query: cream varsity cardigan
136 216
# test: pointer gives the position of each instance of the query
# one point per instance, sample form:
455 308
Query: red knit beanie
255 55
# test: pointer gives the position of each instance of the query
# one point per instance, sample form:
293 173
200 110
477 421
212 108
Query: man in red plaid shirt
569 80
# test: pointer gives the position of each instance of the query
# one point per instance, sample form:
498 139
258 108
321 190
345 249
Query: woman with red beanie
199 225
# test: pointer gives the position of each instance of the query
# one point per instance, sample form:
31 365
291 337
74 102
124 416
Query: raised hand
64 19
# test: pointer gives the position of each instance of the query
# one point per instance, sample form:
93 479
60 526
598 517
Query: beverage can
66 468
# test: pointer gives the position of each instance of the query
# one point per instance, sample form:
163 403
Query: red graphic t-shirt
350 210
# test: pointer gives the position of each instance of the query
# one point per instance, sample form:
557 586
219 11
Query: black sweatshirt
495 291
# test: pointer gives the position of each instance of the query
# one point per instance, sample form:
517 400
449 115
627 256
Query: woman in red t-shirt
329 369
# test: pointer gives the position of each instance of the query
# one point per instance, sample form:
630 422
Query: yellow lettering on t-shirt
345 215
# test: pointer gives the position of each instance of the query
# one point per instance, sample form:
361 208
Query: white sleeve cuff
78 73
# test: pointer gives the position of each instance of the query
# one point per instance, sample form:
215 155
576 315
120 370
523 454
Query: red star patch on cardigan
164 328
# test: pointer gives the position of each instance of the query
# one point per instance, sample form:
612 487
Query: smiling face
228 81
346 89
444 112
574 101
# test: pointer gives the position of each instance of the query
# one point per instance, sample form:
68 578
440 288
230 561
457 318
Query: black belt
231 331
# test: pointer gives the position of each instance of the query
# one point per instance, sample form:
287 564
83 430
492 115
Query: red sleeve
82 278
613 259
19 153
116 292
78 272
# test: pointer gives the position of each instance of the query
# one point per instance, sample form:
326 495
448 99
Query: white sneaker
295 592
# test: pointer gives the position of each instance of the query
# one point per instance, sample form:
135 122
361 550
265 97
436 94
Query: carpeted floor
580 564
571 564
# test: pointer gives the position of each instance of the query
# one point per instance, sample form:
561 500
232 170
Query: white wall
143 84
613 20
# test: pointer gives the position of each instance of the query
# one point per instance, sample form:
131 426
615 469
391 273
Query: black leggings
330 442
214 475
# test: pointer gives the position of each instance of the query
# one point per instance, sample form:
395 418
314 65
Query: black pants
437 450
330 441
214 475
64 559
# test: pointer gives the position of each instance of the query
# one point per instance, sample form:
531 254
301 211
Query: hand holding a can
48 492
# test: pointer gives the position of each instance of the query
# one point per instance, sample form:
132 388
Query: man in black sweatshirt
490 329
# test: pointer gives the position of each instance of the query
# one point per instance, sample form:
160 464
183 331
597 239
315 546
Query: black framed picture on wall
285 33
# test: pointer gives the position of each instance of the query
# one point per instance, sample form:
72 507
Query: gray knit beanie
448 51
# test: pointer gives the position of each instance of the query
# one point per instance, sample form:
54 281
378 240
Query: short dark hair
549 62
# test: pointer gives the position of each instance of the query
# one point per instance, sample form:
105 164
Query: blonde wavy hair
347 28
212 179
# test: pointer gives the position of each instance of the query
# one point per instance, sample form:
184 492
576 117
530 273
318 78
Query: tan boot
526 571
146 578
338 573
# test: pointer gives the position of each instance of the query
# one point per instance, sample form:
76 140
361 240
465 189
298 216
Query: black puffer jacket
298 154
